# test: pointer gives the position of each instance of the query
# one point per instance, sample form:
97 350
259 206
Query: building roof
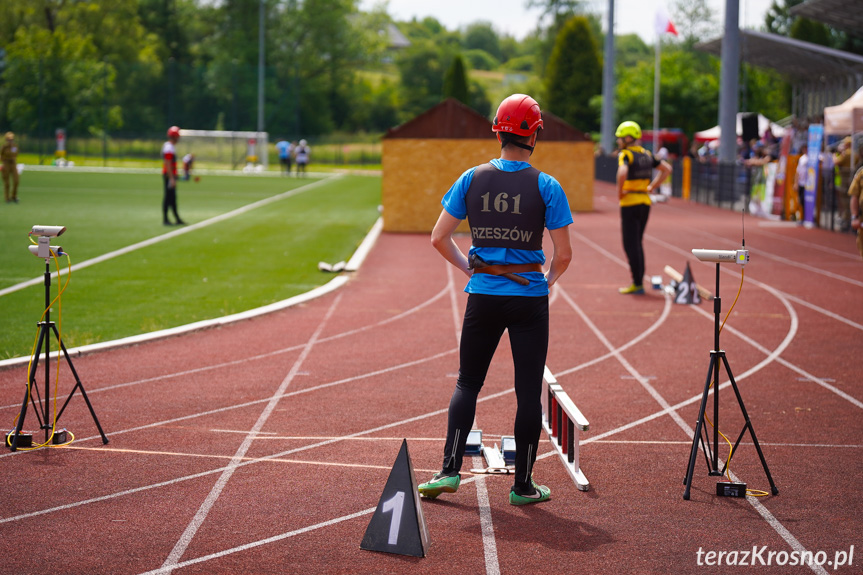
840 14
453 120
800 61
448 120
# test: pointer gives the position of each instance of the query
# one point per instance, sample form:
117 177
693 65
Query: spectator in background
800 175
285 150
301 154
9 165
855 191
188 160
844 170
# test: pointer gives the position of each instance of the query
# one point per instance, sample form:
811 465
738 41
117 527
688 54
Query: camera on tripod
41 404
44 249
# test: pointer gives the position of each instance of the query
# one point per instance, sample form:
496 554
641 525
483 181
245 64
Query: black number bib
505 209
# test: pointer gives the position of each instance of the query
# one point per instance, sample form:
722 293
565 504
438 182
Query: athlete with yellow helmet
635 183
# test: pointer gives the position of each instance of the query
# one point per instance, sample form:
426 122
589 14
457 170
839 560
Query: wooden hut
424 156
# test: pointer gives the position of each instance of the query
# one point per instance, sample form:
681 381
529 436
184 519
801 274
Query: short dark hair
506 138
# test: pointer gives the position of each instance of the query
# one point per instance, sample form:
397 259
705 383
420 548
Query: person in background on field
169 177
301 154
285 150
855 192
506 194
635 183
188 161
800 175
9 165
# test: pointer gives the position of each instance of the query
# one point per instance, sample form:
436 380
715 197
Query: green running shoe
540 493
440 483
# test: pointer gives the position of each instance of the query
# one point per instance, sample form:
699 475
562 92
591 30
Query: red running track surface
263 446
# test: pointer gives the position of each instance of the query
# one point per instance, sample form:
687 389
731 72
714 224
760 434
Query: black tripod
43 414
712 454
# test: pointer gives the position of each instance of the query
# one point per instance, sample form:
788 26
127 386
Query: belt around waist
508 269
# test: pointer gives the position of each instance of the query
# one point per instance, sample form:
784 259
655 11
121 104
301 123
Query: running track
262 446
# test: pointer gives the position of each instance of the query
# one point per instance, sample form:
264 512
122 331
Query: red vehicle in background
672 139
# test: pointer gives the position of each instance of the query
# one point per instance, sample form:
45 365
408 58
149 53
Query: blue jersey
557 215
284 149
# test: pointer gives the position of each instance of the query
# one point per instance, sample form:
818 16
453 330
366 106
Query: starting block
507 448
562 421
474 442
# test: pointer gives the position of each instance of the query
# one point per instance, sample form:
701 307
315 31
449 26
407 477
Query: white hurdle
562 421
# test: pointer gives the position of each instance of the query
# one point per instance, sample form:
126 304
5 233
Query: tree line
133 67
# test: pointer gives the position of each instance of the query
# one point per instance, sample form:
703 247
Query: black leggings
169 199
485 319
633 221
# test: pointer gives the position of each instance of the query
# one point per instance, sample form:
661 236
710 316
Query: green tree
481 36
75 65
421 67
455 83
574 75
688 91
694 20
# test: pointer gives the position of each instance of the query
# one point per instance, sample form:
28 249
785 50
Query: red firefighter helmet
173 132
518 114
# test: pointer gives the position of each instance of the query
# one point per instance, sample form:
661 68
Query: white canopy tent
763 123
846 118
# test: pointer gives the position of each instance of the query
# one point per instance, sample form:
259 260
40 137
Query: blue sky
511 16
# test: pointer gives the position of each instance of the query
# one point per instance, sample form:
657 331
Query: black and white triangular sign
398 525
687 289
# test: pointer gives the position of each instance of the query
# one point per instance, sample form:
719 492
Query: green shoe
440 483
540 493
632 289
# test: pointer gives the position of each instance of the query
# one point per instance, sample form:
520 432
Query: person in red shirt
169 176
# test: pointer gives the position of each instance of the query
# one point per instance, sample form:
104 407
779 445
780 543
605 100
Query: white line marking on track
267 355
174 233
690 432
216 491
489 545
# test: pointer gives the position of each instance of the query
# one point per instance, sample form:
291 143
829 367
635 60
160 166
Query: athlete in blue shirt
508 205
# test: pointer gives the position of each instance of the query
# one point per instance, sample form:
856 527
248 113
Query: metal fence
730 186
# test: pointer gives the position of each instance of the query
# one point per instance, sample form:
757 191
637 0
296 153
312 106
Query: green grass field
254 258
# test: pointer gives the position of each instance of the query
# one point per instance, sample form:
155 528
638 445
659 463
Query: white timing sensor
49 231
740 257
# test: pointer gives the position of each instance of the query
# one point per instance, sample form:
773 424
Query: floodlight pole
730 83
607 126
261 70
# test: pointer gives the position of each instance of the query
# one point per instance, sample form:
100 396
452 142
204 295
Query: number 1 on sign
395 504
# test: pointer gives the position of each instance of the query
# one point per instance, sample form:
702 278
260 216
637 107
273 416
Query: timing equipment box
726 489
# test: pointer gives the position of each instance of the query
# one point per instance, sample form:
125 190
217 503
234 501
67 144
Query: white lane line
784 298
175 233
690 432
797 300
761 253
192 528
267 355
666 311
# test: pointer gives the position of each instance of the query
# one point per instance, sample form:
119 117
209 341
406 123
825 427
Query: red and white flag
664 25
